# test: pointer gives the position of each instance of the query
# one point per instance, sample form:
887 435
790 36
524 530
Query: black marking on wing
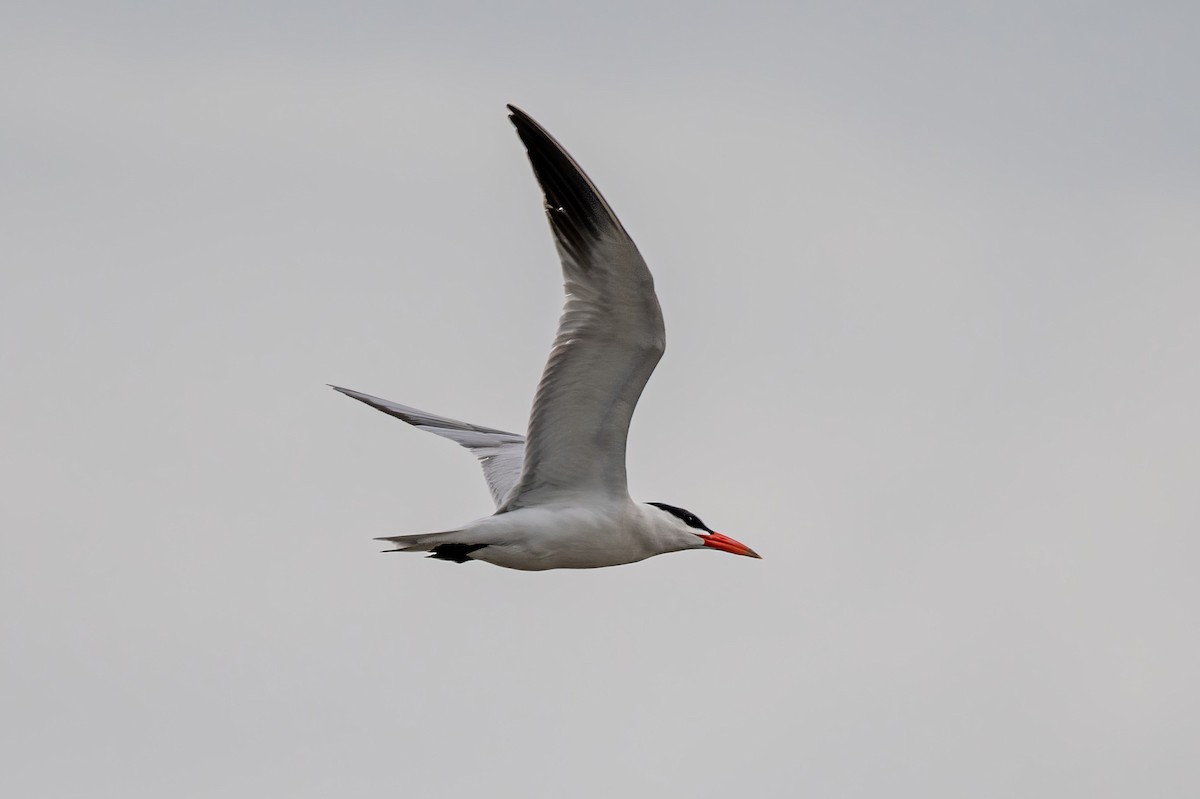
459 553
688 518
577 212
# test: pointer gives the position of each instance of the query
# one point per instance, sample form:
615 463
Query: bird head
692 533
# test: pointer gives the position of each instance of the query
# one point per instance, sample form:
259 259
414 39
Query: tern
561 496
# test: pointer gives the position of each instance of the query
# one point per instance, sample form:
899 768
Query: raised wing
500 454
610 338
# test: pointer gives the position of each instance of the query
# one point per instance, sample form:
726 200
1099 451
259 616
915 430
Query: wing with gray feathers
610 337
500 454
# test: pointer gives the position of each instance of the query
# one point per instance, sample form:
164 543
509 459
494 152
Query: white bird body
561 496
571 536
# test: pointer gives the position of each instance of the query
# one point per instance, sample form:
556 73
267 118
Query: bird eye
685 516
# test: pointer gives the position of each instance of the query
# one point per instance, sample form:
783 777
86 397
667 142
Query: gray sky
930 276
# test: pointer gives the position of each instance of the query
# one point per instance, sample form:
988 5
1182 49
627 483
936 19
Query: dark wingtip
349 392
577 211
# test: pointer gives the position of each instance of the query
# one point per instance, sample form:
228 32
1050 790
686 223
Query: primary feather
500 454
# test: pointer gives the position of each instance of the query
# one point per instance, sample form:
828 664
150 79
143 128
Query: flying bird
561 496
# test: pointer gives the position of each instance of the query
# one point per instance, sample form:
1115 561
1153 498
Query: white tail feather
419 542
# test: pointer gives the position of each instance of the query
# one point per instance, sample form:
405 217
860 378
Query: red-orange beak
727 544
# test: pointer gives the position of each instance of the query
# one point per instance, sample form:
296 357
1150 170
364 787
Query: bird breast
566 537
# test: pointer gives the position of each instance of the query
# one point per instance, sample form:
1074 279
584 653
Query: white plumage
561 495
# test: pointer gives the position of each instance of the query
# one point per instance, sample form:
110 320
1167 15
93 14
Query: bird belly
536 539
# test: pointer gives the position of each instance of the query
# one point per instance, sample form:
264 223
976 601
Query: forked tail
438 545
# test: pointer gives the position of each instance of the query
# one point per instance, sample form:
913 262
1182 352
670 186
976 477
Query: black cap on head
686 516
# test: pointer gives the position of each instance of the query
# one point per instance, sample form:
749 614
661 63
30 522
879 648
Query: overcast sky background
930 274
